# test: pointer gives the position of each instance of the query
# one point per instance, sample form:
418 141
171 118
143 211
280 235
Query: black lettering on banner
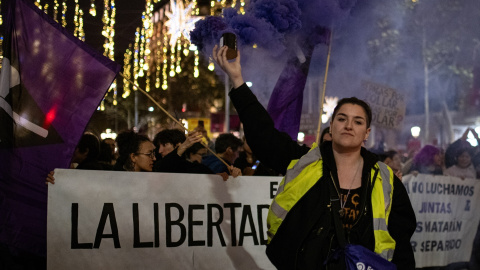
414 245
467 207
136 230
260 207
107 212
74 233
169 223
440 245
216 224
156 224
419 227
420 187
247 215
273 189
232 221
192 223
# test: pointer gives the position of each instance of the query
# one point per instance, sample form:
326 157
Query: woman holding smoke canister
304 231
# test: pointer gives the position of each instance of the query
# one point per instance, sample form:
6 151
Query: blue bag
358 257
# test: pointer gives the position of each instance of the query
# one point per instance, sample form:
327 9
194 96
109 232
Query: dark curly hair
128 142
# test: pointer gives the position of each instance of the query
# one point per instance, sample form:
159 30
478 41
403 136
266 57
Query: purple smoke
274 26
285 33
283 15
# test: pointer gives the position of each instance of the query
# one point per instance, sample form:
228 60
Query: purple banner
285 104
50 85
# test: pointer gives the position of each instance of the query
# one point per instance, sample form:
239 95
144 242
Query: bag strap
335 203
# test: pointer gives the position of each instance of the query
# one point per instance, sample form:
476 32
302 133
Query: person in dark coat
306 237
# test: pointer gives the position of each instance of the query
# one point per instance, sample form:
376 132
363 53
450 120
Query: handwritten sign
388 105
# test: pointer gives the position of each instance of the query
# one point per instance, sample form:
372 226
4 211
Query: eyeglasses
151 154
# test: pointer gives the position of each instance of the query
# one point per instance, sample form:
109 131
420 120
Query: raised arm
273 148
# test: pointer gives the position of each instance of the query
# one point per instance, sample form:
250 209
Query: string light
211 66
37 3
93 9
162 42
127 66
172 61
135 57
141 56
76 20
109 13
108 31
164 69
55 10
64 12
196 73
195 10
178 69
158 67
81 31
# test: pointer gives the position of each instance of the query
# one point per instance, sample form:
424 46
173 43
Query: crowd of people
341 159
460 159
173 151
170 151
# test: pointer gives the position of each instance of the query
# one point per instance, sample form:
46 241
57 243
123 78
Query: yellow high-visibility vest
303 173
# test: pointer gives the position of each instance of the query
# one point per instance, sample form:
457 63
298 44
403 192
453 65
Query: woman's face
197 157
438 159
349 127
144 158
464 160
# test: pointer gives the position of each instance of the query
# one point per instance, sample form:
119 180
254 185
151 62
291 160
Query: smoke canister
229 40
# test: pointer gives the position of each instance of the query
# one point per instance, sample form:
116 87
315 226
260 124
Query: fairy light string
64 13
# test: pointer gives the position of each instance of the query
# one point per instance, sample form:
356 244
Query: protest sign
388 105
446 224
132 220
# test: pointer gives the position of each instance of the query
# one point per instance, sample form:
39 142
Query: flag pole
171 117
322 98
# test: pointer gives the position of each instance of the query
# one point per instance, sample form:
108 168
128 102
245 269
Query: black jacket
306 236
173 163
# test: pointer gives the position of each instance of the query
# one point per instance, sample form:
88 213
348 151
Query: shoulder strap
335 203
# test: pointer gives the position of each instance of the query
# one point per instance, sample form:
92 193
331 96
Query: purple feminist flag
50 85
285 104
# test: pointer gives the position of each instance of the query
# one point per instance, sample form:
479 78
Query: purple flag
285 104
50 85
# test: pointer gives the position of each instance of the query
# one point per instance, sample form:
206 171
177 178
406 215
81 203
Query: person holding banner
429 160
463 167
302 233
136 152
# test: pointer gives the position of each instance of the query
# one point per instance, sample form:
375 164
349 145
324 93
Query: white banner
128 220
131 220
447 218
